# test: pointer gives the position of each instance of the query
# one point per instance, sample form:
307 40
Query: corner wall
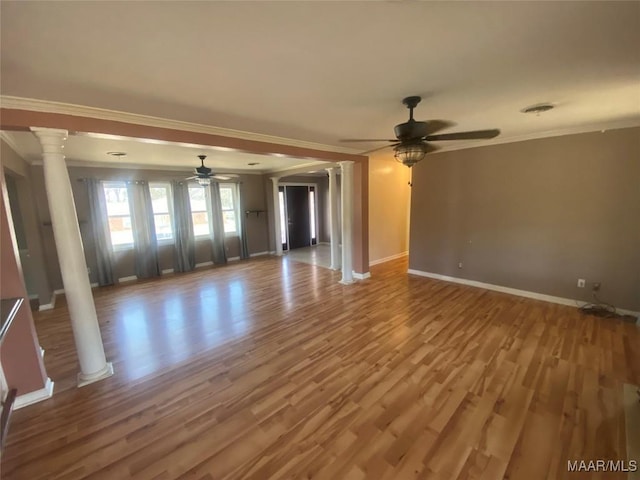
389 203
534 215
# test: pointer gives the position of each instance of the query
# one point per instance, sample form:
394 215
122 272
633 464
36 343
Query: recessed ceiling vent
538 108
117 154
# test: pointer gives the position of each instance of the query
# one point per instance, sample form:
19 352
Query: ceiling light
538 108
204 181
410 153
117 154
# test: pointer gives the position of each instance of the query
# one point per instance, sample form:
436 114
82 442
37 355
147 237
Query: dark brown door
298 216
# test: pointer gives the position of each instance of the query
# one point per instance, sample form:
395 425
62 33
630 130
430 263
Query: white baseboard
204 264
49 306
233 259
130 278
35 396
258 254
59 291
167 270
388 259
512 291
361 276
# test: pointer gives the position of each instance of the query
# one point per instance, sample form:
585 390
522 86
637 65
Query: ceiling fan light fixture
204 181
409 154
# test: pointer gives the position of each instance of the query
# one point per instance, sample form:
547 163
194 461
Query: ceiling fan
412 137
204 174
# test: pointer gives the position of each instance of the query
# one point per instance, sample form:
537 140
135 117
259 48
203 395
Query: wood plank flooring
271 369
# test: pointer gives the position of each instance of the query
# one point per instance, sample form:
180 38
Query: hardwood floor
271 369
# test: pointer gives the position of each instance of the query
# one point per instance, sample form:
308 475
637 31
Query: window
228 201
118 212
161 202
200 210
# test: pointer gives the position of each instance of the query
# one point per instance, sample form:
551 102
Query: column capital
51 139
346 164
275 180
333 169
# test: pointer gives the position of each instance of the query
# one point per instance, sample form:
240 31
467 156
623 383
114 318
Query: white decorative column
333 216
276 216
346 190
66 232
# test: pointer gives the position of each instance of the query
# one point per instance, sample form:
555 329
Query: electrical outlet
581 283
460 265
596 286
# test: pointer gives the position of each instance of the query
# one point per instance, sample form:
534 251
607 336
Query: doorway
298 215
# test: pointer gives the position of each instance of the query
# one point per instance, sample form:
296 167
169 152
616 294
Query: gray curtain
218 253
244 246
184 259
145 245
101 233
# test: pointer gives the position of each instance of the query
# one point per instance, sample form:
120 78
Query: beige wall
534 215
389 196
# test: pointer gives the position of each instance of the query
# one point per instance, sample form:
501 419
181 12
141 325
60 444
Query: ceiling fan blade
355 140
431 148
380 148
220 177
474 135
434 126
191 178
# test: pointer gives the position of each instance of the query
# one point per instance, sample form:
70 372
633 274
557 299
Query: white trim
59 291
361 276
233 259
36 105
106 372
48 306
512 291
35 396
389 258
41 352
572 130
167 270
204 264
33 296
258 254
130 278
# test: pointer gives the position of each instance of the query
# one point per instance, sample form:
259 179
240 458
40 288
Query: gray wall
253 196
534 215
32 257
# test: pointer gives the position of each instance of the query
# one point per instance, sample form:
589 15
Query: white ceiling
321 71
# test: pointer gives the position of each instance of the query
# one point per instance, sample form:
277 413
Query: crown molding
296 170
35 105
574 130
142 166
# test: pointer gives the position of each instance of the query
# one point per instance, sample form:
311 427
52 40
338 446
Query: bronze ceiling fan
413 138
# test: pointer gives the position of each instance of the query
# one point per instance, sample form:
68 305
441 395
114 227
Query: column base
346 282
106 372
